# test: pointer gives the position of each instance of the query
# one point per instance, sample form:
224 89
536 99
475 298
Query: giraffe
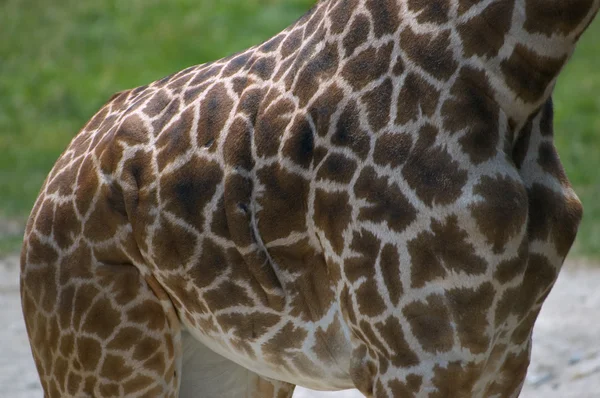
371 199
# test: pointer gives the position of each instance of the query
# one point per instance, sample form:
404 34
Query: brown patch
299 144
523 333
484 34
392 149
87 186
148 314
455 380
171 110
432 173
44 219
157 103
175 140
227 294
125 339
315 293
315 19
291 43
101 319
373 341
272 44
156 363
327 343
212 262
509 269
539 277
109 390
473 108
550 162
470 309
263 68
370 303
288 339
237 148
385 15
338 168
173 245
62 181
323 108
416 97
438 60
390 271
505 305
443 249
367 246
563 17
546 123
401 355
115 368
378 102
332 216
248 327
521 147
92 350
430 323
84 297
294 257
357 34
511 375
502 212
387 203
367 66
430 11
554 216
66 346
348 132
283 204
67 228
241 83
407 389
529 74
214 112
340 15
206 72
190 188
399 66
73 383
124 281
271 122
250 102
236 63
238 214
321 67
362 370
98 118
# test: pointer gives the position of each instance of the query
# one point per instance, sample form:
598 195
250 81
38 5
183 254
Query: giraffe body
370 199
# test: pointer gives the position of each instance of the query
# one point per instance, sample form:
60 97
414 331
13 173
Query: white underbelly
195 356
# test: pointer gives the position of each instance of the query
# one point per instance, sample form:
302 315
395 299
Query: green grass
61 60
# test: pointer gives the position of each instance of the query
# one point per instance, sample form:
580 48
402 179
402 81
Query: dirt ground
565 359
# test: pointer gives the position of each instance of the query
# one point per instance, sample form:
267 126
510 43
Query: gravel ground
566 351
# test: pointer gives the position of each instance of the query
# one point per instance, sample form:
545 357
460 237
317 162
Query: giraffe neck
518 46
534 40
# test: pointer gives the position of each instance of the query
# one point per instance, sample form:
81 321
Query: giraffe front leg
96 329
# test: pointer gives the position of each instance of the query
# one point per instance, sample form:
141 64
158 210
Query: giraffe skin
372 199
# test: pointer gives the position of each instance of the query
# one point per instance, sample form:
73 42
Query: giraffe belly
322 365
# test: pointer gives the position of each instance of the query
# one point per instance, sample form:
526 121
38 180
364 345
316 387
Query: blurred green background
61 60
